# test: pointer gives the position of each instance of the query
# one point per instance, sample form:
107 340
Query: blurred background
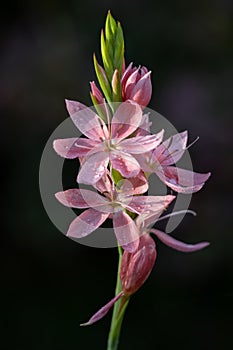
50 284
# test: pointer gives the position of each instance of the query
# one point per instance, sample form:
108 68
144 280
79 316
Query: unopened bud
136 267
136 85
96 93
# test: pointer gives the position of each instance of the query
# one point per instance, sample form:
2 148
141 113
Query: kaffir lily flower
113 204
160 160
137 266
106 143
136 85
135 269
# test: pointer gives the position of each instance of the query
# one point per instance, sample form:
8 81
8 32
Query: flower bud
137 266
136 85
96 93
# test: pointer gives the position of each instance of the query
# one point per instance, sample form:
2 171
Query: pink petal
93 168
81 198
171 150
141 144
74 147
129 70
105 184
86 223
144 127
144 161
89 123
134 185
126 120
131 82
181 180
177 245
126 231
142 91
124 163
154 204
103 311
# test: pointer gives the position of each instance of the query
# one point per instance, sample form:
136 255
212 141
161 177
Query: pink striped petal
74 147
86 223
144 127
141 144
134 185
81 198
105 184
145 161
131 82
181 180
126 231
142 91
171 150
93 168
126 120
124 163
103 311
155 204
89 123
177 245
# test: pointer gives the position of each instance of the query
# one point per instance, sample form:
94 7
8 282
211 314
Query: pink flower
113 204
106 143
145 221
137 266
135 269
160 160
136 85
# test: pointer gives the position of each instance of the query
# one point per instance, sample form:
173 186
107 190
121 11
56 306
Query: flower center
110 145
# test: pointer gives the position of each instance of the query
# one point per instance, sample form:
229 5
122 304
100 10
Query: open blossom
159 161
136 266
113 204
106 143
136 85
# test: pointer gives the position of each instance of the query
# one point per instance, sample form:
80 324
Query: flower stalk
118 311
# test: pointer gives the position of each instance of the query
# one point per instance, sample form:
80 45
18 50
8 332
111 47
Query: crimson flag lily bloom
137 266
113 204
106 143
162 157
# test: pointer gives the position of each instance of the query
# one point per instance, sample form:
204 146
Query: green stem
118 311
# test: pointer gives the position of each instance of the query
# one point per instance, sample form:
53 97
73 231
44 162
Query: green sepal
116 176
98 108
112 46
103 81
110 27
119 49
116 87
107 60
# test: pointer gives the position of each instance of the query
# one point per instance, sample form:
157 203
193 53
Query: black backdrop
51 284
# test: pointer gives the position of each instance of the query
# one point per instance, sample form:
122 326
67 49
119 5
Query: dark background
50 284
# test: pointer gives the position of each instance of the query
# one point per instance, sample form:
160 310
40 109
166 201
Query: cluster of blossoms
117 154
